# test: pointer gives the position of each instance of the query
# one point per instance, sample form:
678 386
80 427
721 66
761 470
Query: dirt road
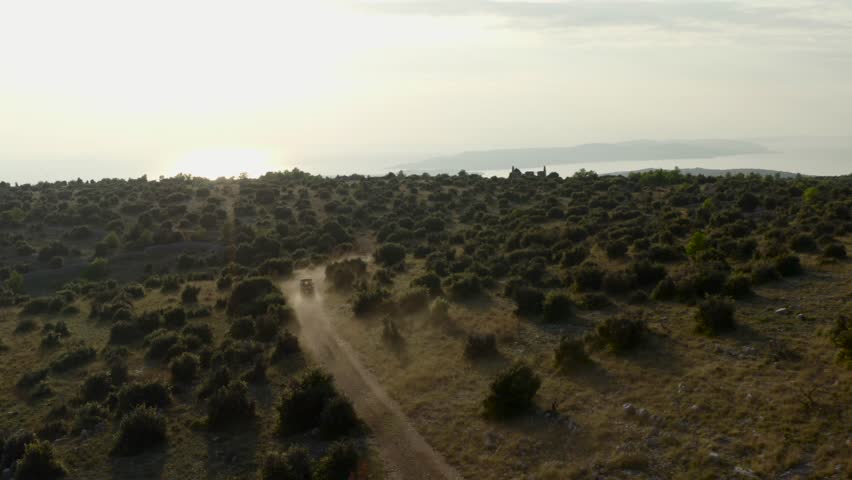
405 453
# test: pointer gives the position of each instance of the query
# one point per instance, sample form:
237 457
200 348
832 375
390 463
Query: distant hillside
711 172
591 152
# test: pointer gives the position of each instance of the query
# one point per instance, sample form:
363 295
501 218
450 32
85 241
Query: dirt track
405 453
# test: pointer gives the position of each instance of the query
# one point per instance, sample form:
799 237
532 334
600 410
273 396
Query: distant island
713 172
637 150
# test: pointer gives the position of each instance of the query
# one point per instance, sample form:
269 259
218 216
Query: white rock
781 311
744 472
628 408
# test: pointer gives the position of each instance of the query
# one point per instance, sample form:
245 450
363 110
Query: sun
225 162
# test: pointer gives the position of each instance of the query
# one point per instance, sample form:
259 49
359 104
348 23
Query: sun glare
225 162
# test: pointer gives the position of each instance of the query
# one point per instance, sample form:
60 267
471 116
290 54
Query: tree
15 283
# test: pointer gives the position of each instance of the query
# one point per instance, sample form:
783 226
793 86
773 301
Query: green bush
618 334
15 447
370 300
342 275
463 286
39 463
190 294
738 286
286 344
390 254
337 418
184 367
430 282
124 332
528 301
253 296
294 464
763 272
151 394
714 315
511 393
339 463
788 265
97 270
73 358
174 317
835 250
303 402
96 387
557 306
570 354
141 429
242 328
230 404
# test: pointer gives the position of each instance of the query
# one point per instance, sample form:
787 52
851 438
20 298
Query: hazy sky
121 88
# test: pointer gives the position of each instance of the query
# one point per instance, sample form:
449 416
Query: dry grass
768 398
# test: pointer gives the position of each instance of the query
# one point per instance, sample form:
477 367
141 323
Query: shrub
618 334
763 272
184 367
835 250
430 282
463 286
616 249
788 265
141 429
370 300
557 306
97 270
588 276
229 404
390 254
161 343
697 243
25 325
294 464
439 311
242 328
152 394
570 354
738 286
285 345
201 331
338 418
276 266
95 387
480 346
124 332
511 393
73 358
340 462
803 242
303 402
528 300
266 328
343 274
39 463
190 294
15 447
593 301
174 317
714 315
414 300
253 296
